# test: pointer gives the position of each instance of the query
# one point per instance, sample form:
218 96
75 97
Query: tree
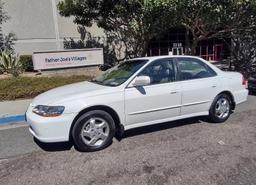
132 23
243 51
215 19
88 41
3 18
6 41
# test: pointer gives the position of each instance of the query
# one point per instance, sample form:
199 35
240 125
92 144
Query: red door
218 52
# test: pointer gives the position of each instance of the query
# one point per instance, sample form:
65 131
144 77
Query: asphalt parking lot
190 151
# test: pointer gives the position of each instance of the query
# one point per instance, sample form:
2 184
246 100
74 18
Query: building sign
67 59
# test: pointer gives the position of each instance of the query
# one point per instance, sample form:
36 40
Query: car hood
70 92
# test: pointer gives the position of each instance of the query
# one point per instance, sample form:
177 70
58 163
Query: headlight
48 111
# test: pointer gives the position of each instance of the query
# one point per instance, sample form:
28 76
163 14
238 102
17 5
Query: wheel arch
111 111
231 97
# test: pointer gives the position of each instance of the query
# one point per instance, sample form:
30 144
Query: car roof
163 57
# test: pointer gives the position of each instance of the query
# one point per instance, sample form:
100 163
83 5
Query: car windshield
120 73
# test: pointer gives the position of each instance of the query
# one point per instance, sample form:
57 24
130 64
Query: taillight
244 81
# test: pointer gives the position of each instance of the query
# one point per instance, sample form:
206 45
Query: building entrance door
218 52
212 52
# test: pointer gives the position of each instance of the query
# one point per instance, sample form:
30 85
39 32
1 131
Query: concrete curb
16 107
12 118
13 111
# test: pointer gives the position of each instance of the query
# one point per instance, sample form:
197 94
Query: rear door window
191 68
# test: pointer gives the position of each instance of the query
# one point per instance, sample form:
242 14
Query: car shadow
54 147
64 146
161 126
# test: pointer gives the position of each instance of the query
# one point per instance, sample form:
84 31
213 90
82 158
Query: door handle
214 86
173 92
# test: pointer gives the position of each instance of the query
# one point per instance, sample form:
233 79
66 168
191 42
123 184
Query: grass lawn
29 87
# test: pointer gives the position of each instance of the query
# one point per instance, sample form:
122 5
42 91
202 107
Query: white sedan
138 92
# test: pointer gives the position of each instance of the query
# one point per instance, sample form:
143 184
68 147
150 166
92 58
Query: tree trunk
187 43
142 48
145 48
193 47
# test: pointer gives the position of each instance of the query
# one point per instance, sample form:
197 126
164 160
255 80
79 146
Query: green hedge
27 62
29 87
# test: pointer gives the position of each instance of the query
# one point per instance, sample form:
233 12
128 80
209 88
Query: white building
38 25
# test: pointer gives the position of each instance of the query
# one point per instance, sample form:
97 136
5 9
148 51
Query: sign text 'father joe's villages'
67 59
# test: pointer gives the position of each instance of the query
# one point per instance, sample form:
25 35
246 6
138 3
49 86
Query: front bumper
50 129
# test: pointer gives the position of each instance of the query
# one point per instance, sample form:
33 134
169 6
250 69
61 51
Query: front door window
160 71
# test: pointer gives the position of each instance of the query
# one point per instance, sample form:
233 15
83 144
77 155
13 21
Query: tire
218 113
93 131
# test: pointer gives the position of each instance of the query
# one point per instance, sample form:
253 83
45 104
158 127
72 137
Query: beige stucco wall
38 26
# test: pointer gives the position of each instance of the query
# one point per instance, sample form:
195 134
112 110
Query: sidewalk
13 111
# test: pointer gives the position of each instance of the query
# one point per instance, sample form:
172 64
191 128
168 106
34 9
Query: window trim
179 76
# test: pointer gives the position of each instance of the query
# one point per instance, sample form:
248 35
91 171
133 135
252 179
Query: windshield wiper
102 83
96 81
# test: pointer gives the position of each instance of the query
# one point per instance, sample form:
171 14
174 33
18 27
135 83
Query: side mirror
104 67
140 81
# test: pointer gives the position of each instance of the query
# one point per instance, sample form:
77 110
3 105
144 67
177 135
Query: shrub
10 63
27 62
29 87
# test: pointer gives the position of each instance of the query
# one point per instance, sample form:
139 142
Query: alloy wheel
95 131
222 108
